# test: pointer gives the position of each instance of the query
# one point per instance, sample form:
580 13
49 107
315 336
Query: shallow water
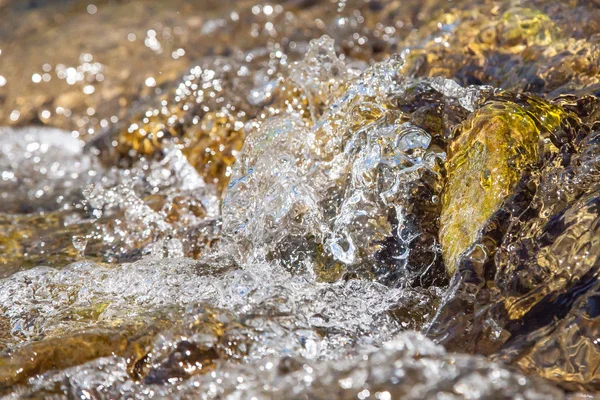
304 199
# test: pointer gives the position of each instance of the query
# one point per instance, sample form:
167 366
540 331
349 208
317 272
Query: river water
299 199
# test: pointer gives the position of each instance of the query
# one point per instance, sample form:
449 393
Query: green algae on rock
485 162
532 299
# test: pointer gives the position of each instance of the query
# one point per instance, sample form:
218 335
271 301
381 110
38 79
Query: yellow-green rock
485 162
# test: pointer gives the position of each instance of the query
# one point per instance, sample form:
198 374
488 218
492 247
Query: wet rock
128 340
409 366
493 149
525 291
551 297
530 47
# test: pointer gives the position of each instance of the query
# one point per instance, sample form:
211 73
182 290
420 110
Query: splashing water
302 221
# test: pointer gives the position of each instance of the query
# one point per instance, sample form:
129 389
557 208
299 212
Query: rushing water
304 199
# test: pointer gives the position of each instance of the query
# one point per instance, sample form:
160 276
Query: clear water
270 218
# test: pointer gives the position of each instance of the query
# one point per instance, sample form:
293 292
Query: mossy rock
486 160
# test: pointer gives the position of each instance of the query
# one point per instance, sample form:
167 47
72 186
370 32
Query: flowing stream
372 199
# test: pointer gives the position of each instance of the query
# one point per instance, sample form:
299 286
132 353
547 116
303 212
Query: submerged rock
543 47
493 150
551 297
409 367
525 289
